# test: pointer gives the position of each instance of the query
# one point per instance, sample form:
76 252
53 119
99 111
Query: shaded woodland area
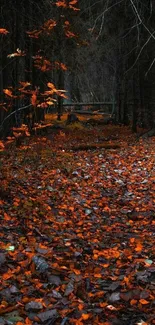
77 126
96 51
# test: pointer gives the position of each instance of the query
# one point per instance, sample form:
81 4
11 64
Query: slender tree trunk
60 99
135 105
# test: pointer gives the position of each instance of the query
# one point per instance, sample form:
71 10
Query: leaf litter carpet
77 231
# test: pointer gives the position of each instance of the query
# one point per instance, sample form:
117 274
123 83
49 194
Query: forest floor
77 229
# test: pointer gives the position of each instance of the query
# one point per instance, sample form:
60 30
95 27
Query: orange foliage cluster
3 31
67 4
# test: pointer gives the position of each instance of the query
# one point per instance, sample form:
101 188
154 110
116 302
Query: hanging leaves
46 28
60 65
72 5
9 93
3 31
67 4
49 25
34 98
17 53
62 4
70 34
34 33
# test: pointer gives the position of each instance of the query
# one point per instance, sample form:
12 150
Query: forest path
77 230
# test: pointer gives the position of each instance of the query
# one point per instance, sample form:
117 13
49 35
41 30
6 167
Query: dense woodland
96 51
77 208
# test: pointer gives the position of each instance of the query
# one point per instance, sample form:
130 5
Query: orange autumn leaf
76 321
1 145
34 33
6 216
7 276
3 31
69 34
143 301
99 294
61 4
25 299
67 23
25 83
139 247
51 86
49 24
80 223
133 302
126 280
103 304
81 306
97 275
17 53
85 316
108 253
63 66
8 92
73 2
34 99
77 272
28 321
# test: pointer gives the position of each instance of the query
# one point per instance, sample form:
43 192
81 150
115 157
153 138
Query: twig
152 63
17 110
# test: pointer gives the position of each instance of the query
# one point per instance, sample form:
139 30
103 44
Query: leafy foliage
30 87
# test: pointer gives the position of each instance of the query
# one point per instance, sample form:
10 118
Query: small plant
76 125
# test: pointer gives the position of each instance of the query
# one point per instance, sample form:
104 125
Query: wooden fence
104 107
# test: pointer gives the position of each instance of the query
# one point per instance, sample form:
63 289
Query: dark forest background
108 47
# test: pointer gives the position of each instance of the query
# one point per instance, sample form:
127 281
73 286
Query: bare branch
151 65
139 53
102 15
144 45
12 113
138 16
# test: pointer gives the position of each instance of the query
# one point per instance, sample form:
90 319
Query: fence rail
99 103
110 109
96 104
89 104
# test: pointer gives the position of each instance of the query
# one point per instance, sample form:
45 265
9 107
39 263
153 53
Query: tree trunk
135 105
